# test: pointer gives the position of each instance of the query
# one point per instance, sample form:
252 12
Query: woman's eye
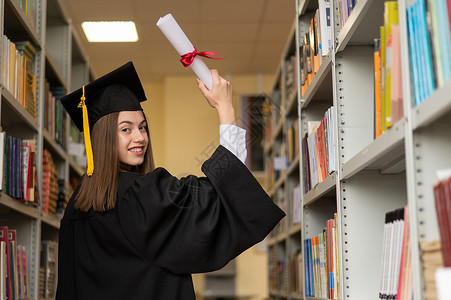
125 129
142 128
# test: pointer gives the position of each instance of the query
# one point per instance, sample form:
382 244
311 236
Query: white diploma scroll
175 35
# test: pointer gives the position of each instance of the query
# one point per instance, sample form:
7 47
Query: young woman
134 232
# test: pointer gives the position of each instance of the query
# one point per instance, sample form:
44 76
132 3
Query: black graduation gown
163 230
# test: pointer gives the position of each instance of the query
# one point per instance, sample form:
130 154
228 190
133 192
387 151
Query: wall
184 131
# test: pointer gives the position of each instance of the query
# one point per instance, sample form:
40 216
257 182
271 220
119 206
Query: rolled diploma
175 35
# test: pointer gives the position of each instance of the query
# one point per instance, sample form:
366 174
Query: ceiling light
110 31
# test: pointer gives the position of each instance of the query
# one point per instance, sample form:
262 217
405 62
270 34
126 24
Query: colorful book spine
321 263
318 153
377 88
390 19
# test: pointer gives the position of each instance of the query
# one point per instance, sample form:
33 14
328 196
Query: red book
449 11
443 222
330 256
4 237
447 213
321 148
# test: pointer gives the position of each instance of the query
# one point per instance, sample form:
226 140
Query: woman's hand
220 97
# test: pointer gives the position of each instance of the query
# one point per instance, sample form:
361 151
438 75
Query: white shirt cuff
233 138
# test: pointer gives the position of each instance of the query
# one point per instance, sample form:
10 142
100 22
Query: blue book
12 149
306 269
312 282
444 37
7 166
413 55
419 50
427 59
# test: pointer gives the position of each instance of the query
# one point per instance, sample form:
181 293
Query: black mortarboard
119 90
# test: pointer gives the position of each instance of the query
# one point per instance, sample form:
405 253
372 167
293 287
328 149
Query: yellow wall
184 131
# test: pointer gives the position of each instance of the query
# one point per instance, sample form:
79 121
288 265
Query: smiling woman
131 231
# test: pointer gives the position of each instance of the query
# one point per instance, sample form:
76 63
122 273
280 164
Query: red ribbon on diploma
187 59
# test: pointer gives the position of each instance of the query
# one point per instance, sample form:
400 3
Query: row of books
388 95
54 113
277 165
318 150
17 72
321 263
315 44
76 146
344 8
296 205
48 269
286 275
291 76
296 274
396 274
25 5
50 188
292 139
432 261
442 198
18 168
428 24
14 283
280 199
278 271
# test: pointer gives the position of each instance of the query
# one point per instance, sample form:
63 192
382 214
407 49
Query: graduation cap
119 90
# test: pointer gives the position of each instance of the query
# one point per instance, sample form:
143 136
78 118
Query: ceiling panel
231 10
237 32
250 34
271 32
279 10
151 34
99 10
149 11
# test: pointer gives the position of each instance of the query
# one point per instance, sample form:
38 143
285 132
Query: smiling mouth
136 149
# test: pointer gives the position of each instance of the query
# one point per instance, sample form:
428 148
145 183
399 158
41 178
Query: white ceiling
250 34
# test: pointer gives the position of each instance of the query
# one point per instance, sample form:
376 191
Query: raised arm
220 97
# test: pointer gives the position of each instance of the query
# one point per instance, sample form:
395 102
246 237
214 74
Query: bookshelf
372 176
59 65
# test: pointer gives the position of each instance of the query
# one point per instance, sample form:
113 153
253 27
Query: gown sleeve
197 224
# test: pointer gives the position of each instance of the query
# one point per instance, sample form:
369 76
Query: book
414 65
3 266
4 237
432 260
442 198
390 19
324 15
296 205
377 88
405 291
49 256
382 57
2 159
13 263
392 253
444 38
432 22
31 188
396 94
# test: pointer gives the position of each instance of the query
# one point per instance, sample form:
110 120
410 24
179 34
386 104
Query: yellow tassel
87 135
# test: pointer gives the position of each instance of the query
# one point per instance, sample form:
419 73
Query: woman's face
132 138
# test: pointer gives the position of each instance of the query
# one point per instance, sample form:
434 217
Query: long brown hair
99 191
